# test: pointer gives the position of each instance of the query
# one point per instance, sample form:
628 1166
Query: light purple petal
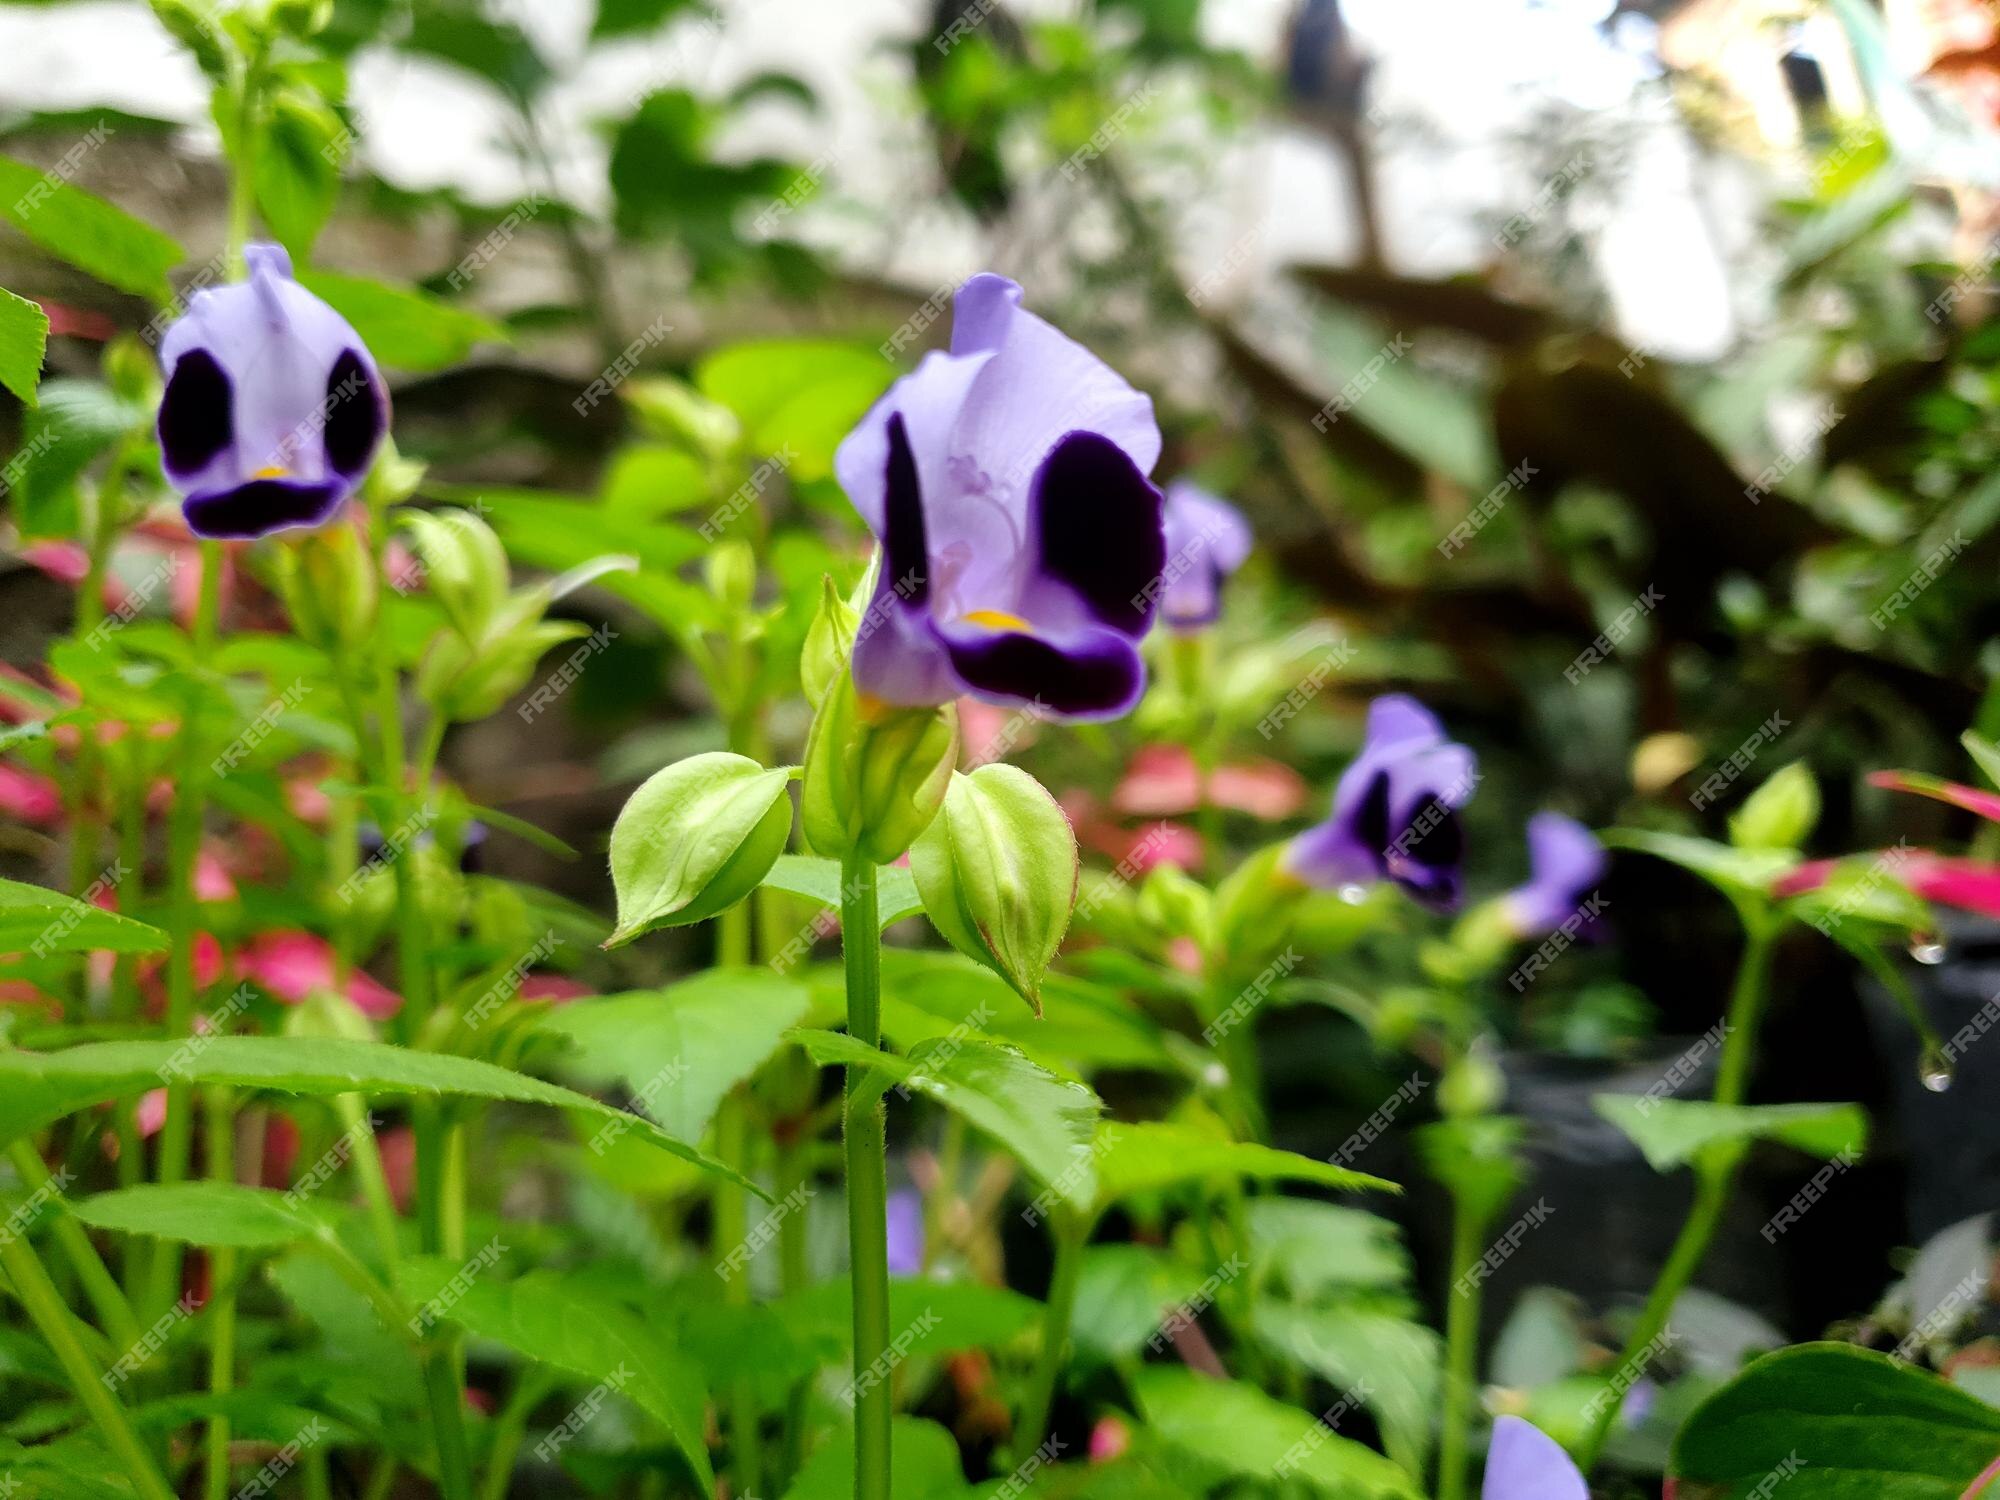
1207 540
906 1232
1524 1463
278 370
1566 862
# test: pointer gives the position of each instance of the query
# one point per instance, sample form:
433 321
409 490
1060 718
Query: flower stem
867 1181
1715 1176
183 845
44 1306
731 1217
1070 1234
222 1299
1461 1335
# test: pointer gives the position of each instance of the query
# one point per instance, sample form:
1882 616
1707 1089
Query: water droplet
1935 1070
1926 949
1354 895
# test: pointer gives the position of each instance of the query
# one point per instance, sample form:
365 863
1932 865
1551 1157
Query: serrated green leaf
680 1049
818 880
1149 1157
24 341
574 1325
404 328
38 921
199 1213
1044 1121
94 236
1674 1132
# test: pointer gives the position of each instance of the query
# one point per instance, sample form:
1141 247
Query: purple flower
1567 862
1395 810
1525 1463
906 1232
1207 540
1022 544
273 408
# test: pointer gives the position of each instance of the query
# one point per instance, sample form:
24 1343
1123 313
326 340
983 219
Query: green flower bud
695 839
997 870
875 776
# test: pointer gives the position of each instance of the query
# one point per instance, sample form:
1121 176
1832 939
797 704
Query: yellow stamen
272 471
998 619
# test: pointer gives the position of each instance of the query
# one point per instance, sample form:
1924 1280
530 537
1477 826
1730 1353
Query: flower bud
997 870
875 775
1780 814
695 839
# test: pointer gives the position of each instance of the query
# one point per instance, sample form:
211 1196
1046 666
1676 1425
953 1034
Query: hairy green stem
731 1218
1715 1177
52 1320
222 1298
184 832
1461 1324
867 1181
1057 1313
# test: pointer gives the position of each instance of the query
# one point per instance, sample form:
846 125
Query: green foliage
96 237
24 338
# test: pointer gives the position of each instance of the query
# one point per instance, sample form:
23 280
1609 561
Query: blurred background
1599 371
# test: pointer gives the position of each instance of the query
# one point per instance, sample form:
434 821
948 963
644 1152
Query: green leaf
75 422
1317 1249
1045 1122
1149 1157
39 921
497 51
1735 872
695 839
1478 1158
1840 1423
1125 1292
818 880
679 1050
1245 1432
403 328
199 1213
796 398
24 340
1674 1132
932 1317
1392 1363
296 170
1985 754
94 236
923 1464
997 869
564 1321
39 1088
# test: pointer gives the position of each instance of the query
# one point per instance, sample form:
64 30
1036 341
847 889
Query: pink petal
212 880
151 1114
292 965
1262 788
65 561
1108 1439
1971 798
29 798
1160 780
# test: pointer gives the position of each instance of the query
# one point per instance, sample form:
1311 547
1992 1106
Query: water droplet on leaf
1935 1070
1354 895
1926 949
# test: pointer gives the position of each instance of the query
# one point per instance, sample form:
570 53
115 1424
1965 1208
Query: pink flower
556 988
64 561
28 798
152 1112
1971 798
212 880
1163 781
1109 1439
1969 884
292 965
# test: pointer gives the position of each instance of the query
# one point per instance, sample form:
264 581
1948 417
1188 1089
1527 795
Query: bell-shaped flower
1022 544
1525 1463
273 407
1566 862
1395 809
1207 540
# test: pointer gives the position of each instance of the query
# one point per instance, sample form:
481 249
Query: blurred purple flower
1395 809
906 1232
1524 1463
273 407
1207 540
1022 544
1567 862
